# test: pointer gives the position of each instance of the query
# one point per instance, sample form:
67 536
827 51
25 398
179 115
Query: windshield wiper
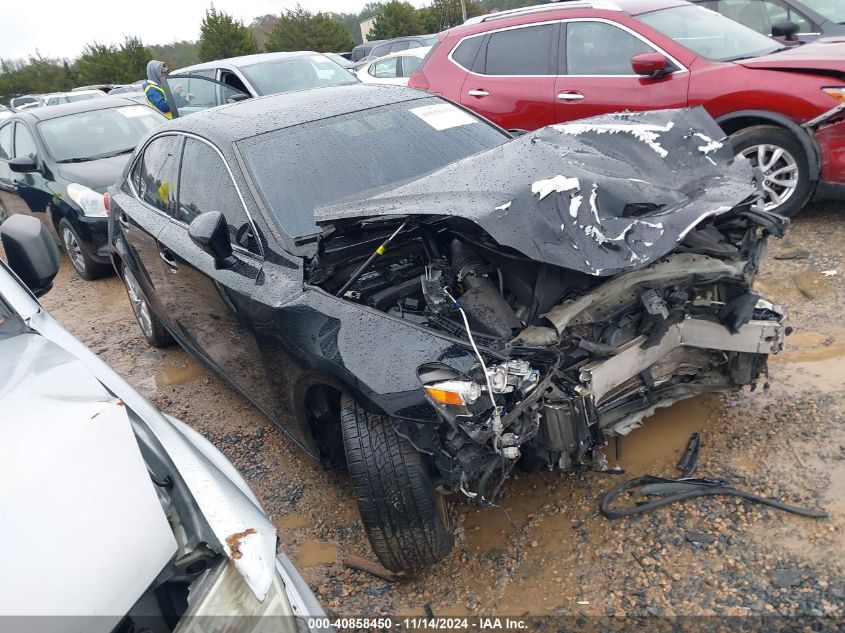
76 160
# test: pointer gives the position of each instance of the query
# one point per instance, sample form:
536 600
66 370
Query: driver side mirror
652 64
31 252
210 232
787 30
237 97
23 165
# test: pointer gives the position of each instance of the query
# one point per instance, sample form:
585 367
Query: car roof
419 51
631 7
45 113
232 122
243 60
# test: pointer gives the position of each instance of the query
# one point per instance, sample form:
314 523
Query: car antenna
381 250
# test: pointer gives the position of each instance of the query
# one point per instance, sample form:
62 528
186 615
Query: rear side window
598 48
467 52
381 50
157 174
205 185
399 46
523 51
384 69
6 141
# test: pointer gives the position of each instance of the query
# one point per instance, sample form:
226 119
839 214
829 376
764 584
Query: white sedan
393 69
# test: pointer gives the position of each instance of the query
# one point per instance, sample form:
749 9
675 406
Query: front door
210 308
513 78
143 214
597 78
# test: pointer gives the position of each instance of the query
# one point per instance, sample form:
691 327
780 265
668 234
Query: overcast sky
61 28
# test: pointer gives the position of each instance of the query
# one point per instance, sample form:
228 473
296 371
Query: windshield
833 10
710 34
358 155
296 73
99 133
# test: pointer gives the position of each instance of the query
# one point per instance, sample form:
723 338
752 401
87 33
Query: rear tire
84 266
395 494
151 327
768 142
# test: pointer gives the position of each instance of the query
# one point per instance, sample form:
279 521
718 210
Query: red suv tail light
106 202
418 80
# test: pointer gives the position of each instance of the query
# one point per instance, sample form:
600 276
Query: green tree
177 54
223 36
37 75
395 20
298 30
100 63
444 14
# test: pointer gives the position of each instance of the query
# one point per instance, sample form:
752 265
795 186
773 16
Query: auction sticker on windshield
130 112
442 116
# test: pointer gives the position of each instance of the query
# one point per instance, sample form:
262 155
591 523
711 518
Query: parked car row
781 106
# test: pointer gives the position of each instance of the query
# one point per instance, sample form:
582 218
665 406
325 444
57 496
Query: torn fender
600 196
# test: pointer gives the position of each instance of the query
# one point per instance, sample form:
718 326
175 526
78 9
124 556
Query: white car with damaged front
115 514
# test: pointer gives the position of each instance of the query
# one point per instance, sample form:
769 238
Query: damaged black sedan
399 283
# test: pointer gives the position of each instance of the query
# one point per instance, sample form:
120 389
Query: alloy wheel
74 250
139 303
780 173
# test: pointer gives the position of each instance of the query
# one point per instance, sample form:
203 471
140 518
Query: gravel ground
546 550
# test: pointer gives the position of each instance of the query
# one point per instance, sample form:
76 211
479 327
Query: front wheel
783 162
84 266
399 506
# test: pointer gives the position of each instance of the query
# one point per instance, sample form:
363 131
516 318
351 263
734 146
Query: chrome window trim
236 247
681 67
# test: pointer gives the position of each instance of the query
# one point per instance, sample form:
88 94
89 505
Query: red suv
784 108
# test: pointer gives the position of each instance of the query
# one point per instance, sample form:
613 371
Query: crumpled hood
823 54
598 196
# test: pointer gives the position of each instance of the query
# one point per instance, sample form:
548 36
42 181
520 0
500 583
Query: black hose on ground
687 489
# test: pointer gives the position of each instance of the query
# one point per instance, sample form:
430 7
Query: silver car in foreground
116 517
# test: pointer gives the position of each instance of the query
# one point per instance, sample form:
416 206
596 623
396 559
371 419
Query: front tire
396 498
84 266
783 161
151 327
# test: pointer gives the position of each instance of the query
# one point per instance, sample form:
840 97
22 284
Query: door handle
570 96
124 222
168 258
478 93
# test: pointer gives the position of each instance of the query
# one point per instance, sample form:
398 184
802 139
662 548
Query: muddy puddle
291 522
178 374
813 361
313 552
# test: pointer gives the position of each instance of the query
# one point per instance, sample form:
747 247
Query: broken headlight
222 593
515 374
454 392
503 378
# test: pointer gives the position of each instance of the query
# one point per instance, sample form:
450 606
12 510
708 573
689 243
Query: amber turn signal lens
445 397
836 93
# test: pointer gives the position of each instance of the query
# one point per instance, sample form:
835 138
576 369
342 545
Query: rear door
512 79
597 78
147 211
211 308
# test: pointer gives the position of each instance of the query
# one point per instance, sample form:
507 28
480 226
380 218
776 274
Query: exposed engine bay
590 297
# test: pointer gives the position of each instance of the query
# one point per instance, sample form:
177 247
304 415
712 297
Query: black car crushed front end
596 271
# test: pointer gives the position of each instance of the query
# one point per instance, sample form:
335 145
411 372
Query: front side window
833 10
296 73
598 48
410 64
6 136
193 93
24 143
205 185
99 133
157 175
367 153
385 69
523 51
709 34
